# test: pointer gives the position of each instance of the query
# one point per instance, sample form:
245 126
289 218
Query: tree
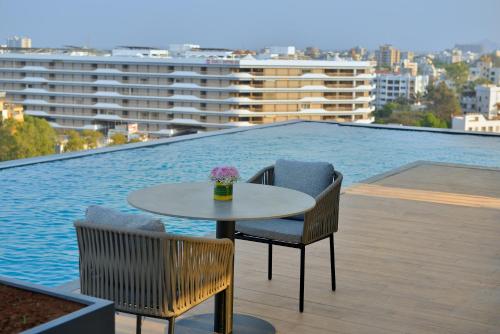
458 73
30 138
75 142
91 138
430 120
443 102
118 139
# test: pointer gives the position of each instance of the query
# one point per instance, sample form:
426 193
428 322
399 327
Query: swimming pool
40 202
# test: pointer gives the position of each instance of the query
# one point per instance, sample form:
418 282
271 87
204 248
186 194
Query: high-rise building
390 87
19 42
387 56
407 55
312 52
99 92
408 67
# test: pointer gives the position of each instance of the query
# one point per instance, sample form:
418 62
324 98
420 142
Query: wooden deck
417 251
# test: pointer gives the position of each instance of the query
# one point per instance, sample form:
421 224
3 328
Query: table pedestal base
242 324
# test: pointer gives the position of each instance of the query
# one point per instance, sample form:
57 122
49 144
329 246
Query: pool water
40 202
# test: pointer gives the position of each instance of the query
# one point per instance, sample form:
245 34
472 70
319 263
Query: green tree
33 137
430 120
458 73
75 142
443 102
118 139
91 138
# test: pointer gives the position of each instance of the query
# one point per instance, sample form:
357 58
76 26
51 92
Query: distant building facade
485 70
19 42
158 94
488 100
139 51
10 110
387 56
390 87
475 48
282 50
475 122
407 55
450 56
481 109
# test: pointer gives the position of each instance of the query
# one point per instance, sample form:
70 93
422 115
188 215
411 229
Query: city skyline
325 24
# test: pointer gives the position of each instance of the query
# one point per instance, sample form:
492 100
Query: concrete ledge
79 154
413 128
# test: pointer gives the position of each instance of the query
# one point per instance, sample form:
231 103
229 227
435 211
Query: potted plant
224 178
31 309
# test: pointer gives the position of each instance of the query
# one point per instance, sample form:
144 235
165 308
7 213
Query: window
125 113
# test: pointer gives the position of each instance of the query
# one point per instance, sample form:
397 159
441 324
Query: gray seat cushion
106 216
276 229
308 177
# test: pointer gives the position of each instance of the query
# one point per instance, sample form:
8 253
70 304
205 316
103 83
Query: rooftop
416 252
417 248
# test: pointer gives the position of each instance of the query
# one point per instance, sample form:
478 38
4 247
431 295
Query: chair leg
302 272
270 262
171 325
332 263
138 325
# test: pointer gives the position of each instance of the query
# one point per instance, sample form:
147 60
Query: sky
422 25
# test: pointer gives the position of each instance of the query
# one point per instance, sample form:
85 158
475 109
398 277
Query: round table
250 202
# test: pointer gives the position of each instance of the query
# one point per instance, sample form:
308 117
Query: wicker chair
151 274
319 223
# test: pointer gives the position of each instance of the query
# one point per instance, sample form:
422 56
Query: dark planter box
97 317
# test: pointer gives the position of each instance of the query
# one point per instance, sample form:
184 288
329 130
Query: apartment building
387 56
475 122
19 42
100 92
488 100
481 110
390 87
485 70
10 110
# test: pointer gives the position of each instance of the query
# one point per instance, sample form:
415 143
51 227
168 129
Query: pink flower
225 174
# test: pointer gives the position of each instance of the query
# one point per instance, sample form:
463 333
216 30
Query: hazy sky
330 24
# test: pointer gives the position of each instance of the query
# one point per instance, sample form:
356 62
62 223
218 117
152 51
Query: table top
195 200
